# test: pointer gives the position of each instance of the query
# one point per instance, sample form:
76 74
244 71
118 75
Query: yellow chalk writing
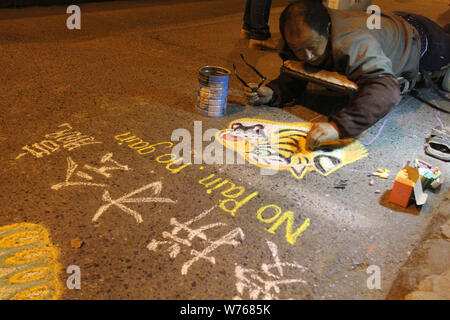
272 219
288 216
234 197
229 205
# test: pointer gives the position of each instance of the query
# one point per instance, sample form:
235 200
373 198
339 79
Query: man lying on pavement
337 40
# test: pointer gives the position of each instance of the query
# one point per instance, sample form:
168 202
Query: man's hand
262 96
319 133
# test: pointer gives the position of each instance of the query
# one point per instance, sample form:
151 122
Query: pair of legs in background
256 24
435 68
435 48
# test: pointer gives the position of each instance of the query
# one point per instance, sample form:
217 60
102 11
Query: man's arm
373 101
375 98
285 89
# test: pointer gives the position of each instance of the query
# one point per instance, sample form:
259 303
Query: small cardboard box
407 183
348 4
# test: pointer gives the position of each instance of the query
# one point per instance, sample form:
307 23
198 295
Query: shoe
268 44
438 148
245 34
439 144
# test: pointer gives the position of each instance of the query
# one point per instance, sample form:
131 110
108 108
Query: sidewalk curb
426 274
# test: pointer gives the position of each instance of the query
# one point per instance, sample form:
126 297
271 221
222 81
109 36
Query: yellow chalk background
29 267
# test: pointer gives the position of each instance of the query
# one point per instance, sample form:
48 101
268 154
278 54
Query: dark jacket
371 58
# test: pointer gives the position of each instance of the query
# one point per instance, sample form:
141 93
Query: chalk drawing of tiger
281 146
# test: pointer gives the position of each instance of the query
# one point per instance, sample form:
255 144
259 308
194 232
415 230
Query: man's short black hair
312 12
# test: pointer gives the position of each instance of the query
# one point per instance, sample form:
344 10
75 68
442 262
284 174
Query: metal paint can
213 91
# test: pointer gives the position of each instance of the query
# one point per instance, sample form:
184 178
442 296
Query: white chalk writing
72 167
67 138
156 186
265 285
233 238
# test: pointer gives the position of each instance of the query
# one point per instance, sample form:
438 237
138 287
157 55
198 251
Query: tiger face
281 146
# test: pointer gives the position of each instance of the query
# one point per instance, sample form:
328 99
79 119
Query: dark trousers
256 19
438 42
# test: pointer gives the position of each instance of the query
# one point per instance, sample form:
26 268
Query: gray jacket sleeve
359 56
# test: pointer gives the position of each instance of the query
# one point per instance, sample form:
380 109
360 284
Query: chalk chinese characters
67 138
72 167
233 238
155 186
265 284
111 165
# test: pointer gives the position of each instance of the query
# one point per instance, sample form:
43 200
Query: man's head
304 26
